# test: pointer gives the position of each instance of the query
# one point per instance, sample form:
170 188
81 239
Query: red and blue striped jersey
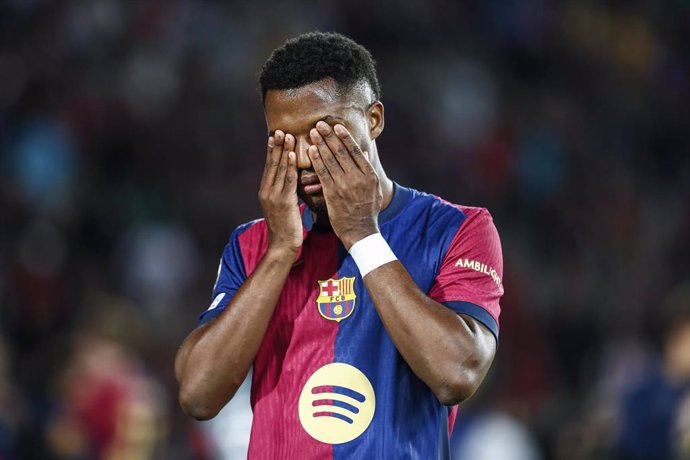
328 382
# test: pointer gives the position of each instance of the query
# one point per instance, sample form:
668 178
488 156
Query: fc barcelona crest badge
336 299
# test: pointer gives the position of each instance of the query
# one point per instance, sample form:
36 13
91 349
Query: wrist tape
370 253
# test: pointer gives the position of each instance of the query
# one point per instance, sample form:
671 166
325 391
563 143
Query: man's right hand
278 194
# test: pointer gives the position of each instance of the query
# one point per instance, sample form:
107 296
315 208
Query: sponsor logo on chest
337 403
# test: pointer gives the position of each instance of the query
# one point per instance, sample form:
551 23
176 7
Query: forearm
214 359
450 353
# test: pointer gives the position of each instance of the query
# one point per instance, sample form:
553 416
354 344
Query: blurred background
132 141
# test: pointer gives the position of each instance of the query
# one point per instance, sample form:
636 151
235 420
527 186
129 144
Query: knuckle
322 171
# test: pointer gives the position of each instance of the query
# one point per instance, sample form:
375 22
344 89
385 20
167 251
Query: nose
301 145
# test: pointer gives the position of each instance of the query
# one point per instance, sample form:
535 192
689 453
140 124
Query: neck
384 181
386 189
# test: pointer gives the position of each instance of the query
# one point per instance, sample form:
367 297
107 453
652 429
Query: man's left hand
350 184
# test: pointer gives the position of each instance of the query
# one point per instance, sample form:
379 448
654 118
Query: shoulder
249 229
440 209
247 243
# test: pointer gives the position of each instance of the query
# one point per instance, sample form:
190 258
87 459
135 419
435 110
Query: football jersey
328 382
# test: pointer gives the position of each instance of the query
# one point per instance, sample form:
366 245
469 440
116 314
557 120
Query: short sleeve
469 280
231 275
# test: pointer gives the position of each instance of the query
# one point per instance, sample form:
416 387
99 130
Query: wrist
371 252
354 237
281 253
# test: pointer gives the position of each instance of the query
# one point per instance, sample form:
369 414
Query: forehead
297 110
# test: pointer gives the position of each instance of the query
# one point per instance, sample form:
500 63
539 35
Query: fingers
289 143
269 149
355 152
319 167
338 149
274 152
283 166
325 153
291 176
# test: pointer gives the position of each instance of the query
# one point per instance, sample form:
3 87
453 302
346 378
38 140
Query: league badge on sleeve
336 299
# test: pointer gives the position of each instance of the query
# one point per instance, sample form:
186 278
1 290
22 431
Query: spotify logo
336 404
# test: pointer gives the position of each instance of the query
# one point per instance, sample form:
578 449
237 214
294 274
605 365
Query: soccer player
369 311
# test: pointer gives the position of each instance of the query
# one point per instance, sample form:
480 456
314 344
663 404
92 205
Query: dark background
132 141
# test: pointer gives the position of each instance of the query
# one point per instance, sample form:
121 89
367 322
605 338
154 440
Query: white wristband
370 253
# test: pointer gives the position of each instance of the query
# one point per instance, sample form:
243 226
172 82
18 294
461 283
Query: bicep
483 340
187 345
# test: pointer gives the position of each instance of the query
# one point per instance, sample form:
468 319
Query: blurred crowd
131 144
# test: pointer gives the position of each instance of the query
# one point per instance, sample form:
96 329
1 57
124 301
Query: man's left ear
375 119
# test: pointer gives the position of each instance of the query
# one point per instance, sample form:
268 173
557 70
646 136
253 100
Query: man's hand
214 359
350 184
278 194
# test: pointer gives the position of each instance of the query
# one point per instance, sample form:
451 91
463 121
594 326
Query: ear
376 119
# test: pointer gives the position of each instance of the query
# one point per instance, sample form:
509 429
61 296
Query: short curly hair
315 56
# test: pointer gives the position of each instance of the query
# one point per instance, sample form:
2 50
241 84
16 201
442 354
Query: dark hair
314 56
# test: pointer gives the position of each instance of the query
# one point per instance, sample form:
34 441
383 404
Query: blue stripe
307 218
348 392
476 312
409 422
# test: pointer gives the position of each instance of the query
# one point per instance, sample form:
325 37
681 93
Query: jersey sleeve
231 275
469 280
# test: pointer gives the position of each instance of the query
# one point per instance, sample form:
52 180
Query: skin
319 132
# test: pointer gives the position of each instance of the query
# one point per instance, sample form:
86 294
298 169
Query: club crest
336 299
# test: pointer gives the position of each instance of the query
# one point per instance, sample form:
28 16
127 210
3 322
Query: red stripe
322 389
298 341
322 402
